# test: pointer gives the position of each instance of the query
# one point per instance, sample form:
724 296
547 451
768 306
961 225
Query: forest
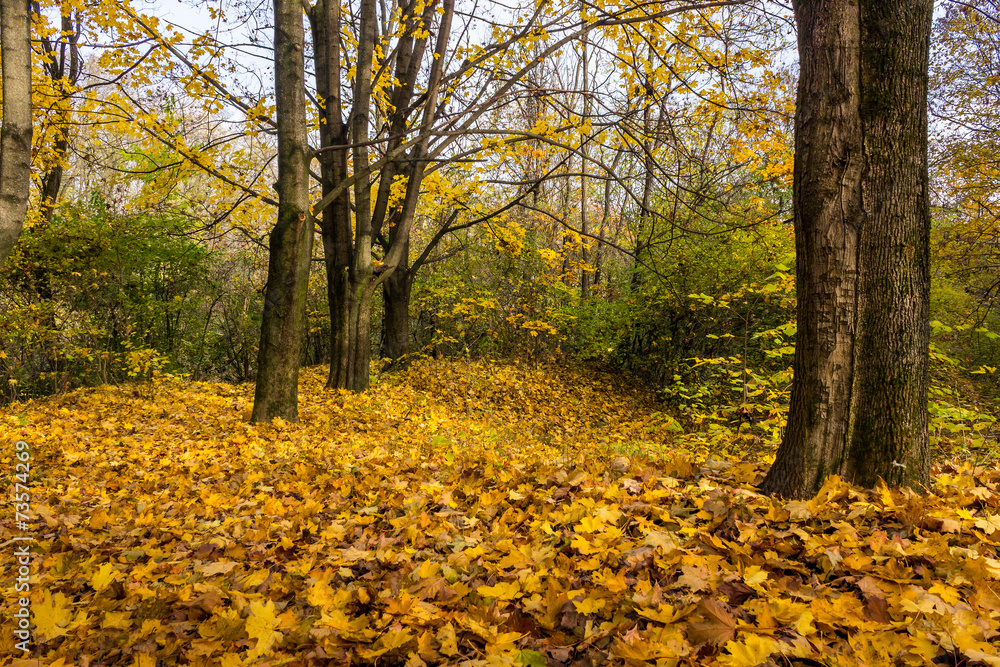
460 332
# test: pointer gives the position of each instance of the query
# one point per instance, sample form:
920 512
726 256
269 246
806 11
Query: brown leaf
716 625
695 578
737 592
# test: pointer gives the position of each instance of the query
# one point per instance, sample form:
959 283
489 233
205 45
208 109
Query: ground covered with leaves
468 513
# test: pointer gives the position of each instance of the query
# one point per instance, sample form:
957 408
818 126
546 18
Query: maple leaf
717 626
320 594
396 638
116 619
52 615
502 590
220 567
750 652
695 577
261 626
446 637
103 577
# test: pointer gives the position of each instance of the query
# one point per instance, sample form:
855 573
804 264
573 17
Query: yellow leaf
750 652
804 626
754 576
217 568
446 637
52 616
230 660
502 591
589 605
261 626
103 577
428 569
116 619
99 519
320 594
425 647
980 656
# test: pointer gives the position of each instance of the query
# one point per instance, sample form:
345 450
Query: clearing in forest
470 513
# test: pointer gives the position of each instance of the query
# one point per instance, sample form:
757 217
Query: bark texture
396 316
290 242
827 215
15 133
888 429
862 225
361 270
335 223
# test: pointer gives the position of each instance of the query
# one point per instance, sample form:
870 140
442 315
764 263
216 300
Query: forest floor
469 513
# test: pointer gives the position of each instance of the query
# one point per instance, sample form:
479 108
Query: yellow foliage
474 512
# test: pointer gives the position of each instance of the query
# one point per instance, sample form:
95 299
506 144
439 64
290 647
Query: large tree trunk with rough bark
888 431
290 247
827 217
862 223
15 133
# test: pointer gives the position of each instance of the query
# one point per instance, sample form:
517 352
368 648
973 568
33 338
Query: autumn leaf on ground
261 626
52 615
716 625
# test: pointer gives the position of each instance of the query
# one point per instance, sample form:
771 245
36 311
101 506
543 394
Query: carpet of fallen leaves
469 513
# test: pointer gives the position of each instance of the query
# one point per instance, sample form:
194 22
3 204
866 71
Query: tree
965 85
290 243
15 134
862 225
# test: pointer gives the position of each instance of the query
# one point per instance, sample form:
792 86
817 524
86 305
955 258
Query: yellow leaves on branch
476 514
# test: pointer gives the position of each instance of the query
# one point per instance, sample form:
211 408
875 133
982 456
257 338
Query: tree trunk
888 431
338 296
396 315
862 224
336 218
15 133
646 212
351 277
360 274
827 213
290 244
584 146
64 73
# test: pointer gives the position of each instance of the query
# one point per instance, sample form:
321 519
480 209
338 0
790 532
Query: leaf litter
473 513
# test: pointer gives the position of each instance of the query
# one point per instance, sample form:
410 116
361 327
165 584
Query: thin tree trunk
360 276
584 149
336 218
646 214
15 133
605 216
888 431
290 246
396 314
415 162
62 63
